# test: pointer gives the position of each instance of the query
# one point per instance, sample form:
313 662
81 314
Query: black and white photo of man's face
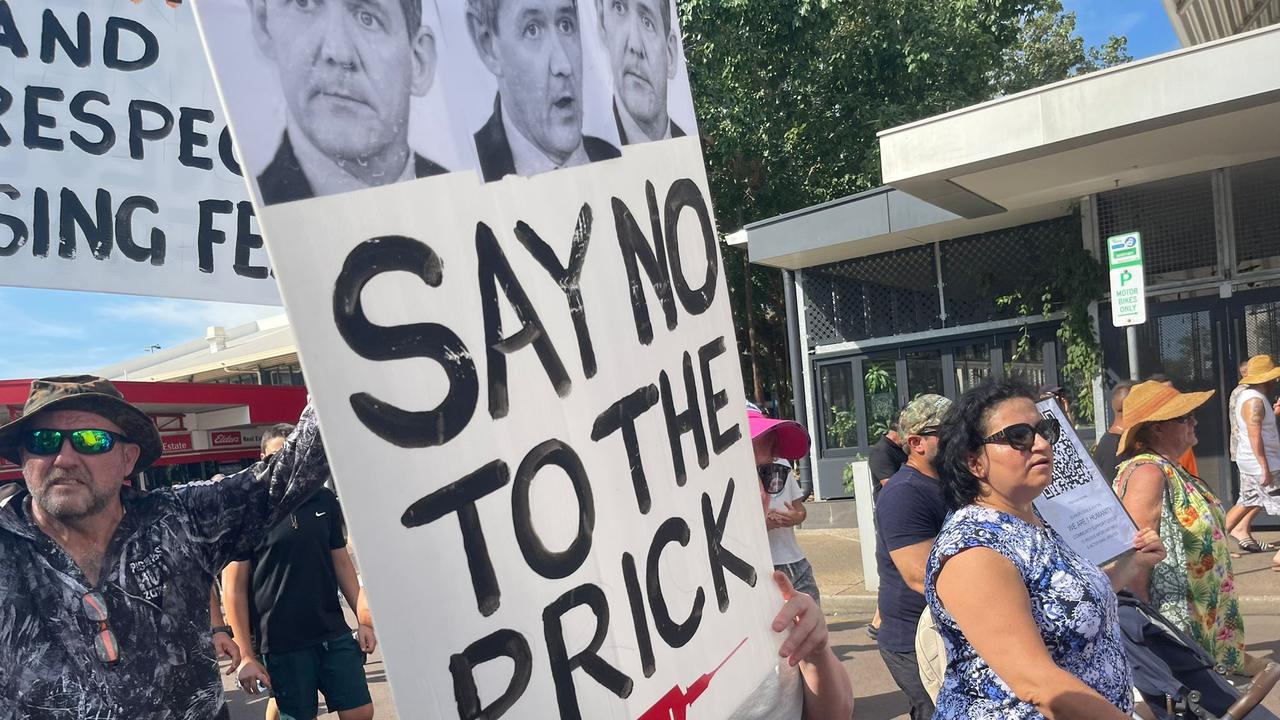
642 53
535 51
348 69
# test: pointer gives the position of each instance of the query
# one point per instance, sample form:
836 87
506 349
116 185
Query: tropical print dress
1194 585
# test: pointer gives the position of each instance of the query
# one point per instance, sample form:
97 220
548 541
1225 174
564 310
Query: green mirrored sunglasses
43 441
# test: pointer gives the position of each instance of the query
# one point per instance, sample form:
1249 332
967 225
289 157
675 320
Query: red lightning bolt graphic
675 704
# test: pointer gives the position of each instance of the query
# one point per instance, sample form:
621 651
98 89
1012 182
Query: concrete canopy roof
1031 156
267 340
1191 110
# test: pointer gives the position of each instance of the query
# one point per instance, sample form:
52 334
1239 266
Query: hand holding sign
1133 571
1149 548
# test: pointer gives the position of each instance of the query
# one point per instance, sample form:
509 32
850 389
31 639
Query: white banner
117 172
1080 503
514 321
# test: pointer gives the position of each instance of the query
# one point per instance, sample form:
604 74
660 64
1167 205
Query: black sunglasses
43 441
773 477
1023 435
105 643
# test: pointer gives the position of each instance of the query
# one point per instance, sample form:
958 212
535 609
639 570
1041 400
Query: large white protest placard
1080 503
118 171
516 330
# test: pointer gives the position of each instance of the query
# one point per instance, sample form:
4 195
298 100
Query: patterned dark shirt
155 578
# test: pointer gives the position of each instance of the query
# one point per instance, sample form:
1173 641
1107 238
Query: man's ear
258 21
129 458
483 38
423 47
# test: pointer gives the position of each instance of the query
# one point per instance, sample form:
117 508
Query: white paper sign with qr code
1080 504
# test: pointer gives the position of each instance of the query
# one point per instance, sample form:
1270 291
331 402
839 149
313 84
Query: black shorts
335 668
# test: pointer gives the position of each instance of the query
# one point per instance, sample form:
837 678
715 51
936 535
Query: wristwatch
222 629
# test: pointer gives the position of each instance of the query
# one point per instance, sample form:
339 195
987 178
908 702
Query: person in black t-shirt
1104 454
886 457
287 595
909 516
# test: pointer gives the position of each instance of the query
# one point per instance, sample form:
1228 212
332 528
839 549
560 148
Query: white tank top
1245 459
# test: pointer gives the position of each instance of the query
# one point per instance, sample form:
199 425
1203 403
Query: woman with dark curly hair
1030 626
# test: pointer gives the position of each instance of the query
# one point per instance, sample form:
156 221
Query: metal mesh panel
979 268
874 296
1175 218
1262 329
1255 204
1181 347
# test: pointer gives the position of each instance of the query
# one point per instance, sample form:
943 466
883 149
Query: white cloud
193 315
1122 24
46 364
56 332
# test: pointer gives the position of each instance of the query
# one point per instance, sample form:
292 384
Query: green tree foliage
1048 50
791 93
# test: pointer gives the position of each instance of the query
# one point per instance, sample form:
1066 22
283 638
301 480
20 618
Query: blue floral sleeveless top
1072 602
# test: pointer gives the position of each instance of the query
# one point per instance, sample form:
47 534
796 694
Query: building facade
911 288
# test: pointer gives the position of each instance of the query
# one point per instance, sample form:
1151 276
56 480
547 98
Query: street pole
795 356
1131 334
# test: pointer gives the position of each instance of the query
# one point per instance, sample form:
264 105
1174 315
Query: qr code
1070 471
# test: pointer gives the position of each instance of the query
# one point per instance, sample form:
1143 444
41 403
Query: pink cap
793 439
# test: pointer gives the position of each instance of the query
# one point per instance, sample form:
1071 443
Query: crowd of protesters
106 609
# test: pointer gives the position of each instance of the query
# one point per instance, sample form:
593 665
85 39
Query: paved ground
834 554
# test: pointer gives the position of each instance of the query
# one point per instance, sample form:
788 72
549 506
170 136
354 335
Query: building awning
1191 110
1201 21
227 350
1032 156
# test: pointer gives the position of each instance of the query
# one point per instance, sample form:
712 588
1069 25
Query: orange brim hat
1153 401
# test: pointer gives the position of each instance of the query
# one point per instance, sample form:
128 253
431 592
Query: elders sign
512 315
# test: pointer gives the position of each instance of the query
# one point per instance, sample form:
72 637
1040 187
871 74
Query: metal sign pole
1131 334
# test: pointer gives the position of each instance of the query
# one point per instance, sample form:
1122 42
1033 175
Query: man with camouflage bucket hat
909 515
104 589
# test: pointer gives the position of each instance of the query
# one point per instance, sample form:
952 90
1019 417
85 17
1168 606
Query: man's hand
807 639
250 671
367 639
225 647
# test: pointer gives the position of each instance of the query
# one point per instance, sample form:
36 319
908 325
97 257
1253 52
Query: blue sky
1142 21
50 332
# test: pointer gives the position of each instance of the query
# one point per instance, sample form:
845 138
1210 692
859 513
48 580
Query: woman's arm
983 591
1144 499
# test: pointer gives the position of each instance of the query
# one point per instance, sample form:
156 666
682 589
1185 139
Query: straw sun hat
1153 401
1260 369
